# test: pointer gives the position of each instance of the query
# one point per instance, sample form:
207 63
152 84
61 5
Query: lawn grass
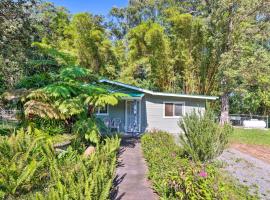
250 136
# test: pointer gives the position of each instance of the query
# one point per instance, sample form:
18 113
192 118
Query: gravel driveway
249 170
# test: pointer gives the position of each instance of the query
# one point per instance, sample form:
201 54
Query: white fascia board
186 96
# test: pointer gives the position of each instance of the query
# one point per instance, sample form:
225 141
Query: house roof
158 93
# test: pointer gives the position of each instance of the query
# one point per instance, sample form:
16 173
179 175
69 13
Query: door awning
133 95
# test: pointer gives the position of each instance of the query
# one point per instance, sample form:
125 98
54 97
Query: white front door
132 123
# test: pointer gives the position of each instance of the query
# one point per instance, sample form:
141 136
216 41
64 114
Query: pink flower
203 174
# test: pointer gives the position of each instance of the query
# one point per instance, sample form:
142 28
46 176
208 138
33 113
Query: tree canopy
212 47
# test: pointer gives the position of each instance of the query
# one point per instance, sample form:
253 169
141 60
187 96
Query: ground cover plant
250 136
176 177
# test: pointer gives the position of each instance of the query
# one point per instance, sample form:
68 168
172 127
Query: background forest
211 47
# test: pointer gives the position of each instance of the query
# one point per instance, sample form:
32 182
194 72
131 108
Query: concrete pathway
249 170
131 175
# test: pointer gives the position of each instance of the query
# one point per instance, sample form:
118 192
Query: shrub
22 161
202 138
31 169
52 127
174 177
75 177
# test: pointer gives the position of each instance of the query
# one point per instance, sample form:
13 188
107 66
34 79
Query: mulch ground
258 151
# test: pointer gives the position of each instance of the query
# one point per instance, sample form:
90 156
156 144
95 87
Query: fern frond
70 107
38 94
26 174
61 90
106 98
43 110
74 73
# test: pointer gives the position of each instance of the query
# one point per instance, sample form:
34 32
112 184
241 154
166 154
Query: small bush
174 177
202 138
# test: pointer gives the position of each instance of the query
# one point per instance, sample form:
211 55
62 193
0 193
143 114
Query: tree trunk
224 117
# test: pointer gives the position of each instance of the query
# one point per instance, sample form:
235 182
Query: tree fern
69 96
42 109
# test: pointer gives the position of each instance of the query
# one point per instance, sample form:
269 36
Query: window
173 109
168 109
178 111
103 111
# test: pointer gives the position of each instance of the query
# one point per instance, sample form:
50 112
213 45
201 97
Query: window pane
103 110
168 109
178 109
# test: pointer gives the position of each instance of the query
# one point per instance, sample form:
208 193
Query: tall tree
87 39
51 23
149 51
187 43
16 35
238 31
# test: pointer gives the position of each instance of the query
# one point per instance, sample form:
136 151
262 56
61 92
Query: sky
94 6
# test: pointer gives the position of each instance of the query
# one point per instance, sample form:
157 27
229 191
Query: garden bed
175 177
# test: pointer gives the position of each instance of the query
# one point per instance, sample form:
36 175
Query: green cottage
145 110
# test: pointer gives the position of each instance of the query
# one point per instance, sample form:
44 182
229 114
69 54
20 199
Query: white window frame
174 102
103 114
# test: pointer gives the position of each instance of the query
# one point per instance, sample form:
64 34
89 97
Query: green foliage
88 41
213 47
53 22
15 41
203 138
52 127
88 131
69 96
7 127
2 87
23 163
148 55
31 169
60 57
174 177
77 73
35 81
79 178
